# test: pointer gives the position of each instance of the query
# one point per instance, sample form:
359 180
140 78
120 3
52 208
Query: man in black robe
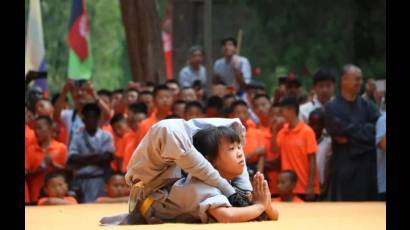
350 120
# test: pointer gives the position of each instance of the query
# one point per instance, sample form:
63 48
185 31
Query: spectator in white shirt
195 69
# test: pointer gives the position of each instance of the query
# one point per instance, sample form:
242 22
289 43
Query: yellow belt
146 203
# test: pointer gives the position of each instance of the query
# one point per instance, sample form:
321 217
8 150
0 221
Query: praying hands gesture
261 195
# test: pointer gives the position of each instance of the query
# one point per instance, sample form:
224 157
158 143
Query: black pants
303 197
382 196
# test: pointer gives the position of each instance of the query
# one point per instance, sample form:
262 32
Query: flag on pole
79 43
35 62
167 40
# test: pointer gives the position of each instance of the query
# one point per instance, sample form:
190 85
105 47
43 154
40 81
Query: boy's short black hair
197 84
178 102
291 102
324 74
229 39
53 174
238 103
219 82
117 118
215 102
47 119
206 141
159 88
104 92
292 175
91 107
111 174
138 107
146 92
262 95
194 104
55 98
172 116
120 91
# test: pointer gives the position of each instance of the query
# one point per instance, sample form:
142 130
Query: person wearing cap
232 69
293 86
324 87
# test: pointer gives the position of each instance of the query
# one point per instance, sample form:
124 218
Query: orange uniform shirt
250 124
132 140
252 142
266 136
35 155
295 199
69 199
295 146
30 137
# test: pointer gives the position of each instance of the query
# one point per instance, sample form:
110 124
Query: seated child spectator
286 184
120 130
219 89
193 110
178 108
214 107
117 190
90 154
56 189
45 155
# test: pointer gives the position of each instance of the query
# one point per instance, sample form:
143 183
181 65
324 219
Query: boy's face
287 113
230 160
44 108
228 49
163 100
188 95
262 106
147 99
324 90
132 97
196 58
120 128
179 109
285 185
193 112
42 130
228 102
174 89
317 125
91 120
213 112
136 118
241 112
56 187
116 98
117 187
218 90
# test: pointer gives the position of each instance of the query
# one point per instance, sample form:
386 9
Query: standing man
232 69
350 121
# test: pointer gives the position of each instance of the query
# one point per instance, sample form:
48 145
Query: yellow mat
316 216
